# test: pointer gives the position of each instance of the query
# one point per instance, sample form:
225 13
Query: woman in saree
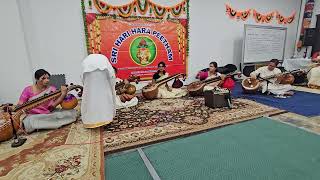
314 74
164 91
45 116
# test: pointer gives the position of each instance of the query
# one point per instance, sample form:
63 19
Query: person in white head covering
98 105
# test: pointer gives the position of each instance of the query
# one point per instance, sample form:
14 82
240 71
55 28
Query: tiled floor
311 124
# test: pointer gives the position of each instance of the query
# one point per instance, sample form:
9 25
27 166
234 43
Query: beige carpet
306 89
71 152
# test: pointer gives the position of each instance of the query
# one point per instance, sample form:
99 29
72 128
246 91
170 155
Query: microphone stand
17 141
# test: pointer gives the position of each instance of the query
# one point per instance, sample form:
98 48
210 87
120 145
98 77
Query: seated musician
314 74
213 73
164 91
272 85
45 116
124 100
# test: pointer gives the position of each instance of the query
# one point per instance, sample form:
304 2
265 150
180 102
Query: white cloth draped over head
99 96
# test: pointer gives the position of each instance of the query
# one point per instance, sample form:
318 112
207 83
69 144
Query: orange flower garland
142 6
260 18
232 13
285 20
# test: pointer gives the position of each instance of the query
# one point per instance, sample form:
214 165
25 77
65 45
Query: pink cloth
202 75
27 94
229 83
315 55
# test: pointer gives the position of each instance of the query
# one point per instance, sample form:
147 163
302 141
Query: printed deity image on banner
143 50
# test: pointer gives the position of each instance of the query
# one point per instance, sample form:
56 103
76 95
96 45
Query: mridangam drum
250 85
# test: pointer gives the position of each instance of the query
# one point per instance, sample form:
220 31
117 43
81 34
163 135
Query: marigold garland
285 20
102 6
125 11
232 13
176 11
260 18
142 6
159 11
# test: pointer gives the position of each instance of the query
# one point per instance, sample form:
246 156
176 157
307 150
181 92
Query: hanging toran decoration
285 20
232 13
158 11
102 7
260 18
125 10
178 9
142 6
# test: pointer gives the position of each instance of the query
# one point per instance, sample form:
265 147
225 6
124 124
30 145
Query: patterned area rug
163 119
55 154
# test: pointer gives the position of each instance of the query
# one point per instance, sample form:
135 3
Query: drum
6 131
69 102
286 79
130 89
250 85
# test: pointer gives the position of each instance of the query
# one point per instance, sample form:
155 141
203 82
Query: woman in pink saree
45 116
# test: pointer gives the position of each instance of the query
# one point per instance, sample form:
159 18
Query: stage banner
136 44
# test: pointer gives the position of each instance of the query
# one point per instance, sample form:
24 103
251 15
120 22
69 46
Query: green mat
254 150
260 149
127 166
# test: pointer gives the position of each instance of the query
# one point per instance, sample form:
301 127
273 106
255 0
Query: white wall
220 39
15 71
55 34
316 8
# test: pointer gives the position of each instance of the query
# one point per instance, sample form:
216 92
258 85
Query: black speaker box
316 45
309 37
